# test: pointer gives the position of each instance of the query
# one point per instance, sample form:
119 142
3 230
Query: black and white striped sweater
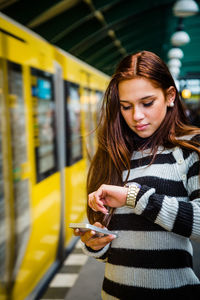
152 255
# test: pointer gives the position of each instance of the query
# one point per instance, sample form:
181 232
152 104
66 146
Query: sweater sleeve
180 217
99 255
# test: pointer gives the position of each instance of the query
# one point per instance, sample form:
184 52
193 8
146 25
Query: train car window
44 123
2 221
73 123
99 99
19 158
88 121
3 228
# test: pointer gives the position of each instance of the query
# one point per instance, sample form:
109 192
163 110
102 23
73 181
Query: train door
61 150
75 176
5 221
30 204
15 196
42 253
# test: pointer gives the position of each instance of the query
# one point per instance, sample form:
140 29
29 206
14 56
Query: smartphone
83 227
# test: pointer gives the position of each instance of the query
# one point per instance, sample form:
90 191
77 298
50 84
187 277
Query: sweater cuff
142 198
93 253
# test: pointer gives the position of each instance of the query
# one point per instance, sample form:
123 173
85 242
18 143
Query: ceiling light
174 62
185 8
175 53
174 71
186 93
180 38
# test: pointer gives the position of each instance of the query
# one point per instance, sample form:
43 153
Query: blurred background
56 59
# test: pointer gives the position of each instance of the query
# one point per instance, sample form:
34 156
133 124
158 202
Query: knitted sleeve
180 217
99 255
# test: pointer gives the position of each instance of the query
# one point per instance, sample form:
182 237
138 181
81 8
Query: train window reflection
2 203
19 158
44 123
88 121
73 117
99 99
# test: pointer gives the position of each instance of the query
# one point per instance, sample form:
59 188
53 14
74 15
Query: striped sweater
152 255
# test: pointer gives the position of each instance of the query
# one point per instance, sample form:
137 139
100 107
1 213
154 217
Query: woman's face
143 106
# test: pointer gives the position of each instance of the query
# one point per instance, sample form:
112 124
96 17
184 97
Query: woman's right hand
95 243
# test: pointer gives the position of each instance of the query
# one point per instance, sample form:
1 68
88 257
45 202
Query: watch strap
133 190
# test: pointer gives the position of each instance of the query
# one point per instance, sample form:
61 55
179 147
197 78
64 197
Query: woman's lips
141 127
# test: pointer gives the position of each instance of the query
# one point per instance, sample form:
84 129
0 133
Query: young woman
144 182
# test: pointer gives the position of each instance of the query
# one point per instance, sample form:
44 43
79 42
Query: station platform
80 277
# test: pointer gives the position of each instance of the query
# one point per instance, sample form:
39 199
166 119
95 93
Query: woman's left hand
107 195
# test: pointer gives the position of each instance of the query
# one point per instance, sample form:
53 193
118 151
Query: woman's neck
141 143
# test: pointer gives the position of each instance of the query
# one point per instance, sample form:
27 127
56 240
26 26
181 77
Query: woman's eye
125 107
148 104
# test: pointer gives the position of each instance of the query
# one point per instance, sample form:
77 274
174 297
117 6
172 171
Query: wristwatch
133 190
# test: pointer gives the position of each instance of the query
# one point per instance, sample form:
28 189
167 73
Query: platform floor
80 277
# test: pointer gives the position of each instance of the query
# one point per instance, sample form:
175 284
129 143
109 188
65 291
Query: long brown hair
115 138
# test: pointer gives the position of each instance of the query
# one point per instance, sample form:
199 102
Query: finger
91 195
97 205
97 240
100 192
98 224
102 209
100 242
77 232
87 236
96 202
91 203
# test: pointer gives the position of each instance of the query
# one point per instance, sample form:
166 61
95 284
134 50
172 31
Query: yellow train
48 105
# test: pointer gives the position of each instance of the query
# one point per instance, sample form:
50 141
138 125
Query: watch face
133 184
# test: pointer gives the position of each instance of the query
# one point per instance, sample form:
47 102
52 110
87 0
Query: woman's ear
170 96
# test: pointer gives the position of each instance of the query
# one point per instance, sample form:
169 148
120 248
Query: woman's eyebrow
146 97
143 98
124 101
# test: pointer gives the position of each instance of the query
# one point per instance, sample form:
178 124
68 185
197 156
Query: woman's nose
137 114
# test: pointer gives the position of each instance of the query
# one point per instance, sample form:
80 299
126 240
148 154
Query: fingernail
114 236
93 232
76 230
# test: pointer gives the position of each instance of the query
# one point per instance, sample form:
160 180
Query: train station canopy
101 32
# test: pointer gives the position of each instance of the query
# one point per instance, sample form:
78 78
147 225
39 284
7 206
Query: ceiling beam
70 28
116 24
102 52
6 3
109 32
52 12
108 58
